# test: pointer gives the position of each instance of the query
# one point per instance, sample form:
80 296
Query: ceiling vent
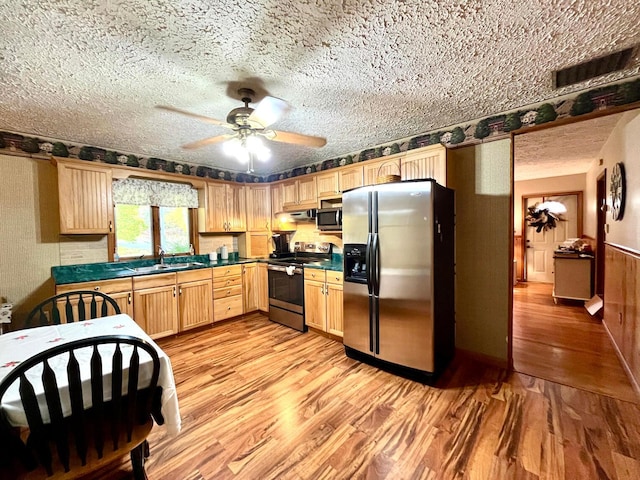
593 68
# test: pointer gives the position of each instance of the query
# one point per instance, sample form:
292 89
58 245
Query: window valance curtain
132 191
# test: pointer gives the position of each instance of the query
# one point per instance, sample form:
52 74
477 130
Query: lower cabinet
263 288
323 300
155 304
250 287
227 292
121 290
195 298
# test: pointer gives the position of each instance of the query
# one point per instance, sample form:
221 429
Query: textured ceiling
359 73
565 150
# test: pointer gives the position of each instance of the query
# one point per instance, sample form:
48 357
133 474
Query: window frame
155 231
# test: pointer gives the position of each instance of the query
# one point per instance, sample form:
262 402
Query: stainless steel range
286 283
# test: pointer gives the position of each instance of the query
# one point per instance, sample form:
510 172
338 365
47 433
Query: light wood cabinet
373 170
258 208
300 194
279 221
227 292
263 287
155 304
222 208
121 290
350 177
328 184
427 162
250 287
86 205
255 245
195 298
323 300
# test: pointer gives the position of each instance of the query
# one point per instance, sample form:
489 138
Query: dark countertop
92 272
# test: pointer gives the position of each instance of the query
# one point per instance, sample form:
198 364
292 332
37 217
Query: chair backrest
70 307
67 420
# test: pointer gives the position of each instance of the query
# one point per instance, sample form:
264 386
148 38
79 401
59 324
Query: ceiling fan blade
296 138
194 115
268 111
207 141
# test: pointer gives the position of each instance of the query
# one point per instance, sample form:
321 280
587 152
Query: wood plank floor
262 401
563 343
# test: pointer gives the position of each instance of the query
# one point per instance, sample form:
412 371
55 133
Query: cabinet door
328 184
258 208
212 214
427 162
86 205
334 309
381 168
195 304
279 221
350 178
250 287
290 195
124 301
156 310
236 209
263 288
314 304
307 192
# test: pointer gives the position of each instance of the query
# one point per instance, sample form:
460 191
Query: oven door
286 291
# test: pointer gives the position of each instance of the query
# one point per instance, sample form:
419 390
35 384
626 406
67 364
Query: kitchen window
150 214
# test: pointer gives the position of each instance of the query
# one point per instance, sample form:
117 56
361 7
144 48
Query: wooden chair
73 306
85 439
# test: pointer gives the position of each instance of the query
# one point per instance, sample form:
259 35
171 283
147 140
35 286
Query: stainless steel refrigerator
399 275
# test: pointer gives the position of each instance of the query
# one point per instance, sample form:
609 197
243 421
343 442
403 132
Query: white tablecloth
18 346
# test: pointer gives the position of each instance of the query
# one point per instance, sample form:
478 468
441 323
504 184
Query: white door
541 245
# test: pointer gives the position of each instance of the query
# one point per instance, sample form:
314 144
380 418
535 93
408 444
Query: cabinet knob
97 289
229 292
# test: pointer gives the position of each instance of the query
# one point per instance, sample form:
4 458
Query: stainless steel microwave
329 219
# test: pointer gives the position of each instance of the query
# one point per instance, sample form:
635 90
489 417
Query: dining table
18 346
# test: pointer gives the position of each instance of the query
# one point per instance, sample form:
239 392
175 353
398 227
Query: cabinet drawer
315 274
152 281
105 286
222 272
227 308
227 292
334 277
194 275
227 282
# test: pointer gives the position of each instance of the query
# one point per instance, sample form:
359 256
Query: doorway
561 342
540 243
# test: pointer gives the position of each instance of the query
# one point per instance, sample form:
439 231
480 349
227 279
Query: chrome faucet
161 254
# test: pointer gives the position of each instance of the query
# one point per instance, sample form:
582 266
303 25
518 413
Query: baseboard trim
482 358
625 366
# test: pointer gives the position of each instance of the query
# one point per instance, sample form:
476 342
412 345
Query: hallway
564 344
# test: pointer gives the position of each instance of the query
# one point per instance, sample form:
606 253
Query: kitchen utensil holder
388 178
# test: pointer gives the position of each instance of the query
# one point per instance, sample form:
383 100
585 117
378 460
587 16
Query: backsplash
308 233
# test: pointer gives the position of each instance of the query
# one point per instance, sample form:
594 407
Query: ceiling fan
247 122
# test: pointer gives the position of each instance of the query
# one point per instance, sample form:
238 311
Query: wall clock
617 191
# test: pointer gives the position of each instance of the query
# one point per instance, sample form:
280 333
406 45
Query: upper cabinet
374 170
258 208
427 162
222 208
350 177
300 194
86 205
328 184
279 222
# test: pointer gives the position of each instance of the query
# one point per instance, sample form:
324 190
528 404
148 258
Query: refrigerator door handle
372 333
368 261
375 267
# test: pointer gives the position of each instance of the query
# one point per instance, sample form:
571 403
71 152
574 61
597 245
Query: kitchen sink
163 267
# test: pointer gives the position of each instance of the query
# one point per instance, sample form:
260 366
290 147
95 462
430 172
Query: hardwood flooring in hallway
564 344
262 401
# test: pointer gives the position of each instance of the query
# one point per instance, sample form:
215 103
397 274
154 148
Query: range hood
303 215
